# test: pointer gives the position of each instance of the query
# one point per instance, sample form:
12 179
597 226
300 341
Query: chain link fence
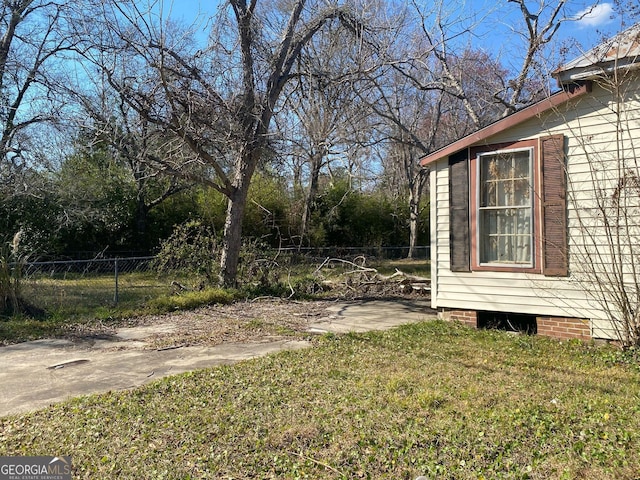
76 286
71 287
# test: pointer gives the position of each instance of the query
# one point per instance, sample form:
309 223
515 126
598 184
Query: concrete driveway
36 374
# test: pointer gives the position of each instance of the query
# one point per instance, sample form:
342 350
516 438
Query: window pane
523 239
488 228
521 192
523 249
504 166
521 164
523 221
504 216
504 248
491 221
488 194
488 186
504 195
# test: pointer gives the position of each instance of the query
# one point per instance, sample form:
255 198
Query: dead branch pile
357 279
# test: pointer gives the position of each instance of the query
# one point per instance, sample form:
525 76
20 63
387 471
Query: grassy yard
432 399
82 295
73 299
419 267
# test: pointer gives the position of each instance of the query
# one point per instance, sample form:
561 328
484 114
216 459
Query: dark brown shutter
554 207
459 212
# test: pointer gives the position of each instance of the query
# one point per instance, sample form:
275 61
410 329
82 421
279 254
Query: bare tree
440 61
452 88
215 104
422 104
106 120
628 10
400 163
317 116
33 37
407 128
325 117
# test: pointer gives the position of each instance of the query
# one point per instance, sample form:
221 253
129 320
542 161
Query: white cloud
595 16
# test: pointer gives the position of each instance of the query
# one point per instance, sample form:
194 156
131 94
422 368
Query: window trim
535 266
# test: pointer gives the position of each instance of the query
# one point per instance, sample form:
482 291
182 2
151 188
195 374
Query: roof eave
594 72
512 120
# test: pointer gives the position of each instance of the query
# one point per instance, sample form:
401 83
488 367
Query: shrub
256 268
192 249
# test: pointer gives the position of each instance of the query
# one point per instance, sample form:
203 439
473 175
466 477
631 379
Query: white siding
590 127
434 229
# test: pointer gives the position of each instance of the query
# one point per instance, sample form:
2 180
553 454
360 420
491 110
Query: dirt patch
251 321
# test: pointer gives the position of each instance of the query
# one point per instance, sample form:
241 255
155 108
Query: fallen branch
363 279
328 260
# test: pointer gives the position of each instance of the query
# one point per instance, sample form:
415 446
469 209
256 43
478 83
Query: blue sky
588 21
495 20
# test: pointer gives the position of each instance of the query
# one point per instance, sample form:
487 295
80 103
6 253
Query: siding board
591 119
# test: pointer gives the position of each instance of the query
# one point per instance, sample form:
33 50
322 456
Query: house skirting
467 317
564 327
556 327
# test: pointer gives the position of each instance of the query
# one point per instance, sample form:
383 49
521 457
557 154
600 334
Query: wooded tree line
299 122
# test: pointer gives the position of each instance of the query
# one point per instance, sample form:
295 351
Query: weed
11 263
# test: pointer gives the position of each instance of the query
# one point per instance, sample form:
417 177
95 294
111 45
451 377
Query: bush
255 268
192 249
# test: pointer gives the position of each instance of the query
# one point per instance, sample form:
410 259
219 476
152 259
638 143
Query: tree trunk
142 215
414 213
415 195
232 236
310 197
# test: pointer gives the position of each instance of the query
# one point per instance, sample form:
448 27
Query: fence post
115 297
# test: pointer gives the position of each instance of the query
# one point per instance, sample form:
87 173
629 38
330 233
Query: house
535 219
